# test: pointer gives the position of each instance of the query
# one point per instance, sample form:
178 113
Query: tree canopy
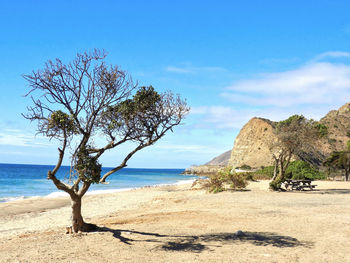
339 160
295 137
85 99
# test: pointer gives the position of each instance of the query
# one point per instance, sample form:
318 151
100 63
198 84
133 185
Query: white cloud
312 89
229 118
218 117
312 84
13 137
178 70
270 61
332 54
178 148
193 70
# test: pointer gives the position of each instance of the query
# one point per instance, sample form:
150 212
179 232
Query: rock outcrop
251 146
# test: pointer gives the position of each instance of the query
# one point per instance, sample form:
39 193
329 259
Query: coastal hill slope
251 146
222 159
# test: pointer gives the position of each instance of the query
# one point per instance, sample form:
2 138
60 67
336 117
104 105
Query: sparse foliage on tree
295 137
79 101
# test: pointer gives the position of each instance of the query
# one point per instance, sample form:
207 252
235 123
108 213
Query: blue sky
231 60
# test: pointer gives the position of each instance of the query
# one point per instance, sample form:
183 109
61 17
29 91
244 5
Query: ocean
20 181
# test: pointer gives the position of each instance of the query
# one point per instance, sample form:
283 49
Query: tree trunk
346 175
281 171
78 223
275 170
77 219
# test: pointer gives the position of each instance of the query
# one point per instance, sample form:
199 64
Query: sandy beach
176 224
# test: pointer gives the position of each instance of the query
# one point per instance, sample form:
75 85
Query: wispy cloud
193 70
218 117
316 83
178 148
178 70
269 61
13 137
332 54
228 118
311 89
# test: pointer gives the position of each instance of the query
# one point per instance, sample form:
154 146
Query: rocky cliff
251 146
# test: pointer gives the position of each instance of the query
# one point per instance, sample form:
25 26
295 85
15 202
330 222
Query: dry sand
175 224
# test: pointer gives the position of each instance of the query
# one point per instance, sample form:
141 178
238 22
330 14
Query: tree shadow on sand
334 191
198 243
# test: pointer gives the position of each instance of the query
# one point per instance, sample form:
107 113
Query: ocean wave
56 194
12 198
109 191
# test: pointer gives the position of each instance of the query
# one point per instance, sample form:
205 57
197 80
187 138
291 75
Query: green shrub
332 140
245 167
236 180
264 173
215 184
348 144
300 170
226 179
276 185
249 176
322 129
293 118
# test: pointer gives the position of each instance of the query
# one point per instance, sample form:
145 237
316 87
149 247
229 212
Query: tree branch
124 162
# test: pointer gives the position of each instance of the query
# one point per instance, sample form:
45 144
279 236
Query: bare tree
295 138
75 102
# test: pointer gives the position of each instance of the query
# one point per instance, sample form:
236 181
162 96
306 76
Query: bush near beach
226 179
297 170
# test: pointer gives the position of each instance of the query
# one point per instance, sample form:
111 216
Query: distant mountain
221 160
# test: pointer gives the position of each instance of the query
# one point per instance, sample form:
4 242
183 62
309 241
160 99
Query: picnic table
299 185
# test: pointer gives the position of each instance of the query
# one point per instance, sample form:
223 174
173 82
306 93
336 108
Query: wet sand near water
176 224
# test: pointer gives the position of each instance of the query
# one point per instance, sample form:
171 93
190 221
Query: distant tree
300 170
295 136
339 160
77 102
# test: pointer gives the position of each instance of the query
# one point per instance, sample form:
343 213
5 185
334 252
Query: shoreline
60 199
58 193
32 211
175 223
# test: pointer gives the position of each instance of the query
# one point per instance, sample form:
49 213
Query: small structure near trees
76 102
